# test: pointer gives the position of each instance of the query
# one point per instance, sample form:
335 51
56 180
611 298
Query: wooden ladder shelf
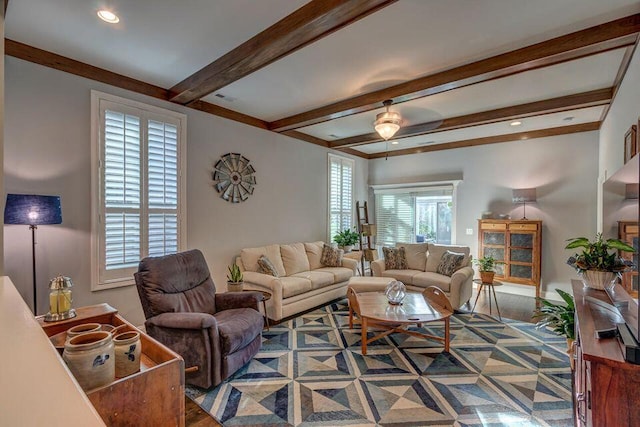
366 231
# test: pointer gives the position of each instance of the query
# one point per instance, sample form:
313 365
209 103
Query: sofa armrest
461 286
350 263
377 267
182 320
230 300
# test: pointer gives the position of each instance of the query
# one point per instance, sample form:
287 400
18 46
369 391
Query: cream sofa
303 282
422 263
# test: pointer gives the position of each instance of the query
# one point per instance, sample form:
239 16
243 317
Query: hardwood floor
515 307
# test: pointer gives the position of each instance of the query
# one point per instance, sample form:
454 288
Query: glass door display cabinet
517 244
628 233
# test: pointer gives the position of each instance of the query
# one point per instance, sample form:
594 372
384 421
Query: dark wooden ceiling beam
311 22
547 106
563 130
68 65
601 38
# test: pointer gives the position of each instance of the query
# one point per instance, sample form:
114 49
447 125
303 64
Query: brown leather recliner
218 333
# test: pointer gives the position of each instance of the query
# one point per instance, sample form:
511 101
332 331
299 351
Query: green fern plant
560 318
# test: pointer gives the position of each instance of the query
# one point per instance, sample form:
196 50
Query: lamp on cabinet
524 195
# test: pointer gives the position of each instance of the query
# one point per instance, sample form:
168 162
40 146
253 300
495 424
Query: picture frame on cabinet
630 143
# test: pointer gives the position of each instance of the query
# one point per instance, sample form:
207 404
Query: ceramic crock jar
90 358
127 353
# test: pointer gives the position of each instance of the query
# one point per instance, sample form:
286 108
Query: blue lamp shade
31 209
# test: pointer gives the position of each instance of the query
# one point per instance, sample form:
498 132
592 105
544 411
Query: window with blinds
340 194
415 214
138 186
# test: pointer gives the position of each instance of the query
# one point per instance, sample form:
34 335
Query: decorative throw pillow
265 266
450 263
394 258
331 256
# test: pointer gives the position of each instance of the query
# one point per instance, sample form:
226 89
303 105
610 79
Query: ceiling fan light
108 16
387 124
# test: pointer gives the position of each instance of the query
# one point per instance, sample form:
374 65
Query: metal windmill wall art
233 176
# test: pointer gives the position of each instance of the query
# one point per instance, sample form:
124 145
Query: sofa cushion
405 276
394 258
292 286
331 256
416 255
340 274
450 263
314 254
294 258
427 278
319 279
250 258
265 266
436 252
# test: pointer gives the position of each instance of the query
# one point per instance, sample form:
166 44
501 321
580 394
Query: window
340 194
415 213
138 187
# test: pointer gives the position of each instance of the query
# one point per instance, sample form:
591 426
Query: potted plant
487 268
234 279
346 239
599 264
560 318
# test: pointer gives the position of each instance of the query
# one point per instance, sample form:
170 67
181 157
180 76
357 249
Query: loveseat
300 281
420 270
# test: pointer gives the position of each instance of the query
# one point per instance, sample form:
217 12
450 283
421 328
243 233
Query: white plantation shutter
138 204
122 189
340 194
395 217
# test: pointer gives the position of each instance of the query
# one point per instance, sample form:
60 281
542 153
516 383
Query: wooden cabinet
628 233
153 396
518 244
605 386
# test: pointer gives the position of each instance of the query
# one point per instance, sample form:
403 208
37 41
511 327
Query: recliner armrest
182 321
231 300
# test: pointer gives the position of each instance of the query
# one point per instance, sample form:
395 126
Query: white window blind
340 194
138 187
400 213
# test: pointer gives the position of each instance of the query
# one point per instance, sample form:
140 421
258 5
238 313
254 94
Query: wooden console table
605 386
153 396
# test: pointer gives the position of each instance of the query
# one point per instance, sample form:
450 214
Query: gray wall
48 150
562 168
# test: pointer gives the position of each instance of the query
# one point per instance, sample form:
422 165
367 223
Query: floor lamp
33 210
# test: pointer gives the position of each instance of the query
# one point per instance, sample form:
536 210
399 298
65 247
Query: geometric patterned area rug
311 372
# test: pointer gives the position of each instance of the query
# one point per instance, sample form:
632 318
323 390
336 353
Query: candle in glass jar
60 301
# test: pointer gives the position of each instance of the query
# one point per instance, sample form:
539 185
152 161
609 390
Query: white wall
624 112
562 168
48 150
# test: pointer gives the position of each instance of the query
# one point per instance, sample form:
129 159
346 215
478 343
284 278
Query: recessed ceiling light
394 143
108 16
515 123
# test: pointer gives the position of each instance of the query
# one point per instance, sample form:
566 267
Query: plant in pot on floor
234 279
560 318
599 263
487 268
346 239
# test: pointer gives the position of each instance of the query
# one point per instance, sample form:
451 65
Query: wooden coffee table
373 310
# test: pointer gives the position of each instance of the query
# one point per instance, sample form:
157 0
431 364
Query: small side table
492 288
266 296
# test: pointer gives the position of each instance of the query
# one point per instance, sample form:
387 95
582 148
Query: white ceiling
164 41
